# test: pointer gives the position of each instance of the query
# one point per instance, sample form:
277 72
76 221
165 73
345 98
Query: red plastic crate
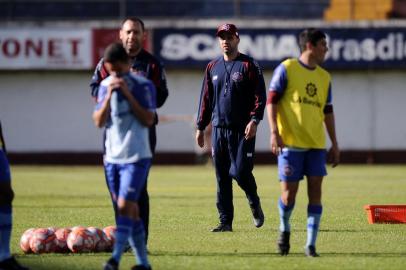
386 213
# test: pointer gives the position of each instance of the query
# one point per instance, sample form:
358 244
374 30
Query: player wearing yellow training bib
305 94
299 109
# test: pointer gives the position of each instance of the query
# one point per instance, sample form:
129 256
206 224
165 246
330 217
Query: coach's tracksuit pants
233 158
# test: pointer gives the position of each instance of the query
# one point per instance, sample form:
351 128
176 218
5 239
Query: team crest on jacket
311 89
237 77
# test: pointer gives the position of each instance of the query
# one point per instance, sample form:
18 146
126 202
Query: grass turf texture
183 211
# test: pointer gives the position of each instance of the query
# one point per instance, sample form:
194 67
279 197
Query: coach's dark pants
143 203
233 158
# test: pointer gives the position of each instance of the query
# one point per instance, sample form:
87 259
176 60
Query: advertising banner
43 48
349 48
104 36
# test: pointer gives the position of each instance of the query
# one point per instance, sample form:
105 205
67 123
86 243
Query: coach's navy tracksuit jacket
234 107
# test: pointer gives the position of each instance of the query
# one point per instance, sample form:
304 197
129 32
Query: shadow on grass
90 261
64 206
274 254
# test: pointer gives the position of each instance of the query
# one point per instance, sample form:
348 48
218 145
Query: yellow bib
301 107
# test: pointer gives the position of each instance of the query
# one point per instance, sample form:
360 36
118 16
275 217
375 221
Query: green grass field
183 212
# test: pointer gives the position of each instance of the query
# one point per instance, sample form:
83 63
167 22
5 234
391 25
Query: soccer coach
233 99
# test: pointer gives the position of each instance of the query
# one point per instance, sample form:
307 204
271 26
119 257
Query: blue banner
349 48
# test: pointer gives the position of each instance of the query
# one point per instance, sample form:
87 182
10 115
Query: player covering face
126 108
132 36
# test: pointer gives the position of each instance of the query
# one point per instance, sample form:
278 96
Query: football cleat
310 251
223 228
111 264
283 243
11 264
258 215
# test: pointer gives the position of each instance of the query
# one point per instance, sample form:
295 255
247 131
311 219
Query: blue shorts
294 164
127 180
5 175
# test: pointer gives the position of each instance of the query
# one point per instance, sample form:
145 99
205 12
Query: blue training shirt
127 139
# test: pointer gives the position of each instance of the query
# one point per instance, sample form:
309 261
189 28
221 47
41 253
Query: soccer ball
101 242
80 240
42 241
61 235
52 229
25 240
110 232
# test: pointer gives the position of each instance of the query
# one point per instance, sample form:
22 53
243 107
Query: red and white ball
110 232
101 242
25 240
61 236
80 240
42 241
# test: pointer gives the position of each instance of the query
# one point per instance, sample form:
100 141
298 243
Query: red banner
103 37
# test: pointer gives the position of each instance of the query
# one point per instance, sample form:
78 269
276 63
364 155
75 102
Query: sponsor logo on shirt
311 89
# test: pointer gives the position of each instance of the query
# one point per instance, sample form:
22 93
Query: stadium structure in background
44 44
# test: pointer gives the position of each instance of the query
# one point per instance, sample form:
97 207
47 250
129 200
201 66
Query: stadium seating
112 9
329 10
358 10
398 9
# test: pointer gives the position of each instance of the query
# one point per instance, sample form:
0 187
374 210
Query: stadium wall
46 115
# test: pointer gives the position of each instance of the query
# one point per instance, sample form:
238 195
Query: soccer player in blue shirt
7 262
133 34
299 109
126 108
233 99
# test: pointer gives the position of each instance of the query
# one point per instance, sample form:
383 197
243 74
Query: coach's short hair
114 53
134 19
311 35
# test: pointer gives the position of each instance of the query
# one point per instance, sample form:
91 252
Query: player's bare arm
100 116
276 141
334 152
200 138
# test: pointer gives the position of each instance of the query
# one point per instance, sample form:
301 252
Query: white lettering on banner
177 47
392 47
267 47
199 47
45 49
209 50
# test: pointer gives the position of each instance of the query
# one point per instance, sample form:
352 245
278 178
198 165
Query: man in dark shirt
132 35
233 99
